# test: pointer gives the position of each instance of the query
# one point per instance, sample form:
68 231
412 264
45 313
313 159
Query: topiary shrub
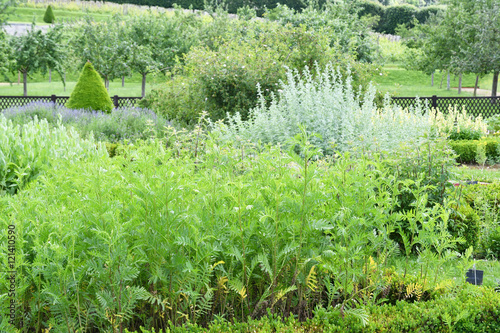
49 15
465 222
89 92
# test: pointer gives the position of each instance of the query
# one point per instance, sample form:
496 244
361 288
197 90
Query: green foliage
37 52
396 15
90 92
264 230
222 78
5 54
485 200
49 17
104 45
27 151
465 223
493 243
467 149
369 7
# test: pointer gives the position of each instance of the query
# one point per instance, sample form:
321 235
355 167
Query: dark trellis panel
13 101
484 106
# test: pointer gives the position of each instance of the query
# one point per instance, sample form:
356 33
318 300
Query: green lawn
488 174
39 85
131 89
401 82
26 15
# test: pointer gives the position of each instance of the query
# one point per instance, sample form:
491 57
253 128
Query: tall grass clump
329 106
27 150
125 123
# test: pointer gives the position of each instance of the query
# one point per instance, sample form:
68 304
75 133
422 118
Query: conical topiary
89 92
49 15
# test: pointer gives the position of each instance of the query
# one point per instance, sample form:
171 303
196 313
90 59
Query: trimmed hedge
466 149
471 309
392 16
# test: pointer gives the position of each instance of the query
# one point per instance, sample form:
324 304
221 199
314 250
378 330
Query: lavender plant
126 123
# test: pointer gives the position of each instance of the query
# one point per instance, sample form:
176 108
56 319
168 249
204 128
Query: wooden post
115 101
434 101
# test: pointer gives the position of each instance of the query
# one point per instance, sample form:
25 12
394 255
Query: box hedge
467 149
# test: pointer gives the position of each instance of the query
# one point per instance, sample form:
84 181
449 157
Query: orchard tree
37 52
465 39
5 54
104 45
480 33
5 10
158 42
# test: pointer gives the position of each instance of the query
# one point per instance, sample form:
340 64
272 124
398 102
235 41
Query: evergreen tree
49 15
89 92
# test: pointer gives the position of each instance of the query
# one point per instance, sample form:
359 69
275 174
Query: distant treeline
390 16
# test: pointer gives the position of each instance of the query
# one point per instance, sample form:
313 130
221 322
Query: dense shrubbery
122 124
467 150
221 74
27 150
265 230
391 17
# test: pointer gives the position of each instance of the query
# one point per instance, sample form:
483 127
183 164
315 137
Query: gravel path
21 28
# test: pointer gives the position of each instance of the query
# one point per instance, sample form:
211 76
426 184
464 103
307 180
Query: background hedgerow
122 124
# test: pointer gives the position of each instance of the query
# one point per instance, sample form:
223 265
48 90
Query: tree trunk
494 86
459 83
50 75
448 81
123 81
25 83
106 84
143 85
475 86
432 79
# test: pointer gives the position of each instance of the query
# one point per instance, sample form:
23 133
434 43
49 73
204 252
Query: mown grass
487 173
27 15
400 82
131 89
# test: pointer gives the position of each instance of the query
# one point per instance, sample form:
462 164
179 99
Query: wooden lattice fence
484 106
13 101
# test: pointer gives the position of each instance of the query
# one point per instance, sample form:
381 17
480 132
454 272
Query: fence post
434 101
115 101
53 98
